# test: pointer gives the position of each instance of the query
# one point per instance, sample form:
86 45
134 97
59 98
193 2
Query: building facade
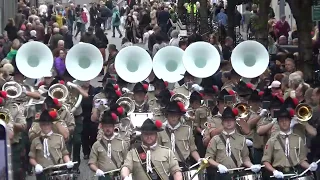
8 9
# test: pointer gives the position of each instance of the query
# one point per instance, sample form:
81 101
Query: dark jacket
68 42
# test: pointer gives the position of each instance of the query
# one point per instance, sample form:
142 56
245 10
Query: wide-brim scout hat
256 95
151 126
164 94
244 89
159 83
211 89
229 113
284 112
109 117
50 102
291 102
195 96
224 93
48 116
141 87
276 102
105 77
175 107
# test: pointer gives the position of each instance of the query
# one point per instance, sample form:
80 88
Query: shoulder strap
106 149
176 148
51 157
283 148
232 156
151 176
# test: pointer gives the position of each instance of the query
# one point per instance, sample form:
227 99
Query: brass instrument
5 115
13 89
58 91
116 130
244 110
182 98
303 112
74 97
127 104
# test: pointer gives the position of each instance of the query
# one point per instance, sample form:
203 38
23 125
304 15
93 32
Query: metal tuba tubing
182 98
13 89
58 91
127 104
303 112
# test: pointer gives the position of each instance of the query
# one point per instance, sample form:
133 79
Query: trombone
303 112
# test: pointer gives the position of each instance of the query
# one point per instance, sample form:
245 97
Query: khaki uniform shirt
258 141
217 150
212 123
184 140
228 86
142 108
99 156
266 120
18 118
57 148
35 129
182 90
163 158
66 116
155 107
151 95
274 154
201 115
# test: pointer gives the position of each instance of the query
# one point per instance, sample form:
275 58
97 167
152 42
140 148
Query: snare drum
308 177
188 174
60 175
247 176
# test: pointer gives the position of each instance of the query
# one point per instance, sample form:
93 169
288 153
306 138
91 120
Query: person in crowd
116 22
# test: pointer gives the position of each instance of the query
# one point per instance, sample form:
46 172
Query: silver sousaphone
83 62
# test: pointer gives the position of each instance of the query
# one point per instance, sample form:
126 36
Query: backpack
117 18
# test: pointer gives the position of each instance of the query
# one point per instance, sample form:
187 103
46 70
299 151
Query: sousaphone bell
58 91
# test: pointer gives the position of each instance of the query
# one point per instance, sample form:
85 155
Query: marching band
151 127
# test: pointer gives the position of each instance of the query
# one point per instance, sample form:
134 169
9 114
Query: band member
228 150
185 88
210 99
158 104
285 152
124 128
177 136
103 99
49 148
155 87
60 125
140 90
268 126
214 126
244 91
17 121
253 120
150 160
75 140
109 152
199 117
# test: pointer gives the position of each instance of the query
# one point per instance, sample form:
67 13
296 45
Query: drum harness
178 151
288 157
232 156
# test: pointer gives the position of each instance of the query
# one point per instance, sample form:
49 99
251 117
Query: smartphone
5 164
265 104
112 81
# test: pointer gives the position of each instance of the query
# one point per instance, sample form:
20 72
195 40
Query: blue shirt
222 18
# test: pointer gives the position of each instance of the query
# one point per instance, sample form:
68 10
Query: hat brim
141 129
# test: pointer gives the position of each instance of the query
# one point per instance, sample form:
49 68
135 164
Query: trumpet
243 109
5 115
303 112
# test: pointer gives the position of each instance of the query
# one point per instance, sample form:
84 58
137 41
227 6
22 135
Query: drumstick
196 164
234 169
58 165
305 171
251 168
285 175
